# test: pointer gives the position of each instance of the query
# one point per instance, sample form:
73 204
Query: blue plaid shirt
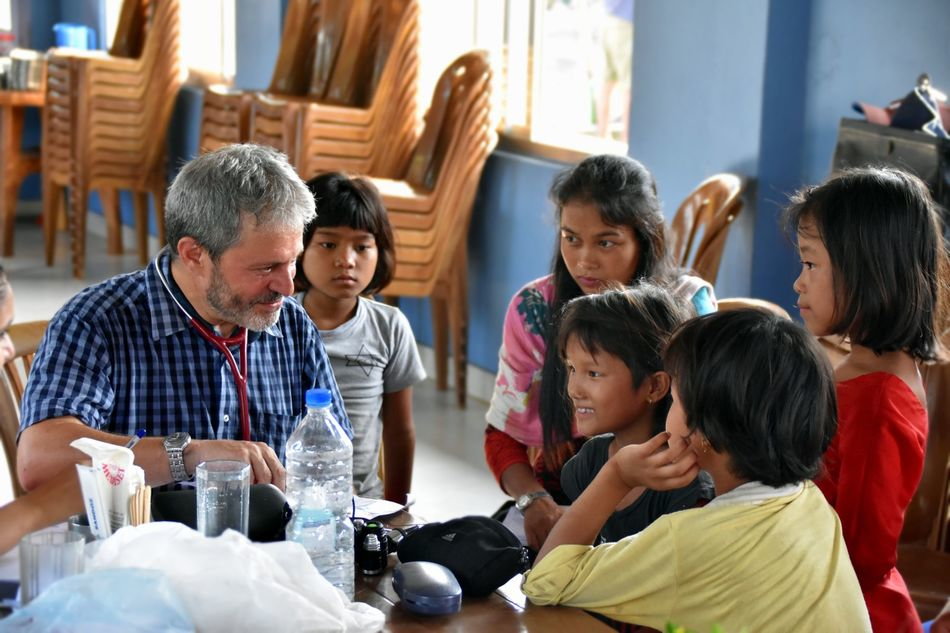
121 356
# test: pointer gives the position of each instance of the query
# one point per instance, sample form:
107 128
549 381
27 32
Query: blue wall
697 103
759 88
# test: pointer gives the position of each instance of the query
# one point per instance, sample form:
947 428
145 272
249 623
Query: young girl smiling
612 344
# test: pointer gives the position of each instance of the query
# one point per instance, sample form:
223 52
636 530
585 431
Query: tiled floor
450 477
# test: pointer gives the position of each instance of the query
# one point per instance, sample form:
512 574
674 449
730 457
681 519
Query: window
562 67
207 37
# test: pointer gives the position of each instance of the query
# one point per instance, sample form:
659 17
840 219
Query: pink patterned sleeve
514 403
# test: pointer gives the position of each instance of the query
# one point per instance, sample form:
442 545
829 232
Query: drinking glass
45 557
224 488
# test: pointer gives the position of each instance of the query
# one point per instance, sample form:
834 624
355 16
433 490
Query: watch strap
175 445
525 500
176 463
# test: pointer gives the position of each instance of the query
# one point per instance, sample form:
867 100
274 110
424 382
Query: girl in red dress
871 253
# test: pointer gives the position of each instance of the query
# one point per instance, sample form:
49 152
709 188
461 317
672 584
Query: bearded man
201 349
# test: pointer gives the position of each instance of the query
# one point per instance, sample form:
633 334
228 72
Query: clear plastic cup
224 488
45 557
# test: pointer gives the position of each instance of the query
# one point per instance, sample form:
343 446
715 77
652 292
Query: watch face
177 440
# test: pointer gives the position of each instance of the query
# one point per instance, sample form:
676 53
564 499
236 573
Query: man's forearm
44 450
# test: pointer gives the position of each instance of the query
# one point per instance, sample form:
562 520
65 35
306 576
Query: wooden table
16 164
504 611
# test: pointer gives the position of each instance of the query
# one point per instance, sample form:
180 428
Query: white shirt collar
754 492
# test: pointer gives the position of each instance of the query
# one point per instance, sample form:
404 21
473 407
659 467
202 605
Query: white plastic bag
230 584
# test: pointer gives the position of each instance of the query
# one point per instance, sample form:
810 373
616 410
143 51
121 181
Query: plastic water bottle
320 491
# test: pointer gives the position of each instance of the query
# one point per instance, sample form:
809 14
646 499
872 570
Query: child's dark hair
759 388
625 192
632 325
882 232
355 203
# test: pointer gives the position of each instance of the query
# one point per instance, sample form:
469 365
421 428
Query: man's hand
655 464
539 518
265 467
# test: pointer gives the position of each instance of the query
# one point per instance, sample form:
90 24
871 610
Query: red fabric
872 469
503 451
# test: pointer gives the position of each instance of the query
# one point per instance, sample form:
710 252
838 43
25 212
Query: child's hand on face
656 464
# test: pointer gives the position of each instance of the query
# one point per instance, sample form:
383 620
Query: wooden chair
225 112
375 134
923 556
431 207
702 222
736 303
119 112
359 113
26 339
58 125
273 117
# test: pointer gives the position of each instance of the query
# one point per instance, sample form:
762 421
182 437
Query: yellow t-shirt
755 559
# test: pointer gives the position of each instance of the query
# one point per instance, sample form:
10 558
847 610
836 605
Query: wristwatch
526 500
175 448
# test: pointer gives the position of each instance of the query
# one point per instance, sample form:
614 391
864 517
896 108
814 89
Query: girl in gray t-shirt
349 255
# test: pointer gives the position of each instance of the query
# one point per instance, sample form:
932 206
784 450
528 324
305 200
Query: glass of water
224 488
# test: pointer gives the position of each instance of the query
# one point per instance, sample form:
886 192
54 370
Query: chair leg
140 204
53 205
10 189
113 217
79 197
458 322
440 343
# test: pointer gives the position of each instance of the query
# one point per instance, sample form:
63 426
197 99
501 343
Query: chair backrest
26 338
385 23
130 31
737 303
334 15
298 42
122 113
702 221
926 519
446 113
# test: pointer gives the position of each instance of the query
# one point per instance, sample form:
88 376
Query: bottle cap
319 398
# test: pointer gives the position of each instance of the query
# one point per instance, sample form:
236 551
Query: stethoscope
222 344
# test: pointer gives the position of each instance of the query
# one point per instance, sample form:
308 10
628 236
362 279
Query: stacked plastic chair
431 206
225 111
701 224
120 109
57 122
359 112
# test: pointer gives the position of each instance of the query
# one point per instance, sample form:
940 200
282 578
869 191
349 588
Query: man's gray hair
215 192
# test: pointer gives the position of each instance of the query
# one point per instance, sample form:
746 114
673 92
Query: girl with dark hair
611 345
348 255
611 231
754 406
872 270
